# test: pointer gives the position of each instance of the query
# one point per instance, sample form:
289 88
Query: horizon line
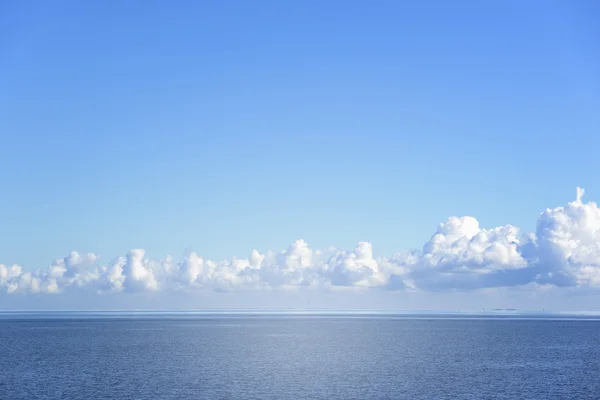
496 311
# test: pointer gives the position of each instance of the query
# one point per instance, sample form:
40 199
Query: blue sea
235 355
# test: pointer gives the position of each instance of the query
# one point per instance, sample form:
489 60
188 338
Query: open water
262 356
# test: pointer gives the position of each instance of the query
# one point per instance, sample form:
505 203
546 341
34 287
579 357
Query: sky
348 153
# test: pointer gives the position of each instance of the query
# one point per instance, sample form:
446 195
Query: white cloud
563 251
462 255
567 243
356 268
131 273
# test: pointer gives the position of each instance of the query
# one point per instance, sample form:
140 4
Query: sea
304 355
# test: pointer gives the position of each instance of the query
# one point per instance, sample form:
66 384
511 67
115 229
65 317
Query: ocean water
262 356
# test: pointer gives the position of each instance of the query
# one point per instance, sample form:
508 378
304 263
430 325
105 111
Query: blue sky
225 127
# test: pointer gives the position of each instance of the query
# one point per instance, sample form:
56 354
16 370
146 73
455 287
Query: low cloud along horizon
564 252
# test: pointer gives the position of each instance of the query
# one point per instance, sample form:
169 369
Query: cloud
564 251
464 256
73 270
357 268
567 244
131 273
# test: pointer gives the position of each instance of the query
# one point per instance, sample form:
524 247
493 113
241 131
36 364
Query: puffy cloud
563 251
131 273
356 268
8 275
462 255
75 269
567 243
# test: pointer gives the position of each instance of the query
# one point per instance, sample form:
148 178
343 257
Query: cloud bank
564 251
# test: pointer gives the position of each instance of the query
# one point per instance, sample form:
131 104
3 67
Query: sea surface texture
297 357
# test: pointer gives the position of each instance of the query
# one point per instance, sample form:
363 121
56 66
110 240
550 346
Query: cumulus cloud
564 251
567 244
462 255
131 273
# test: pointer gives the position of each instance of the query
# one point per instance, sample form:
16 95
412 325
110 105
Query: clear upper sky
220 127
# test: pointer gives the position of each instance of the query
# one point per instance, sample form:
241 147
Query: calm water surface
297 357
